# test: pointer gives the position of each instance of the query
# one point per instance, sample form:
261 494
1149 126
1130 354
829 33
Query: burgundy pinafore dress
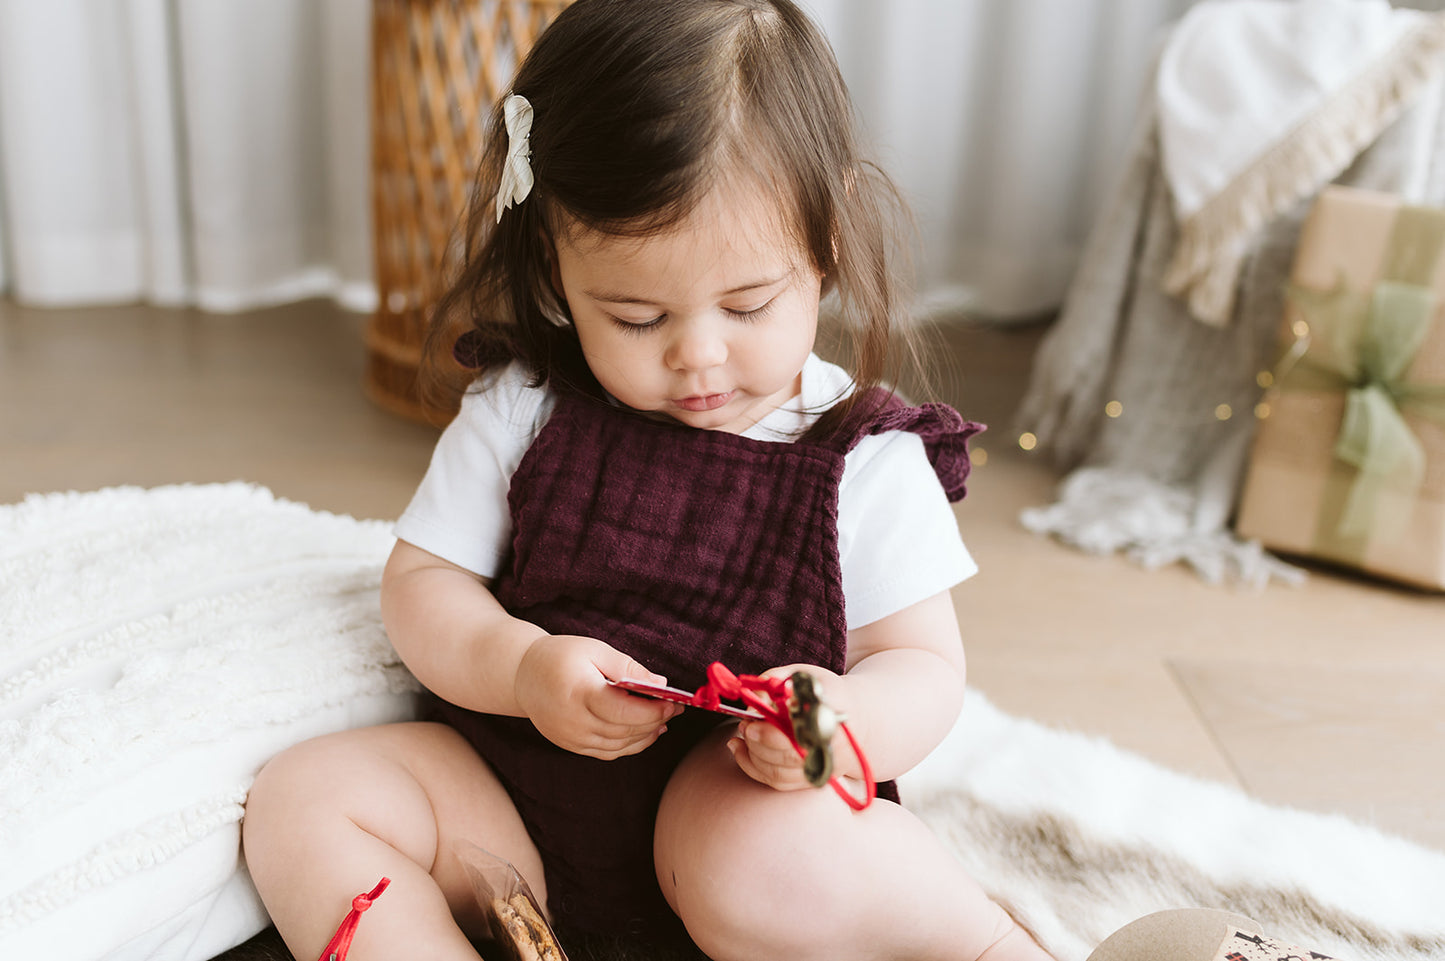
679 547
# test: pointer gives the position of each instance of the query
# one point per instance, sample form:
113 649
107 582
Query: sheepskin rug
157 645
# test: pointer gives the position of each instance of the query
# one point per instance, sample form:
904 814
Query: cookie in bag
515 921
524 930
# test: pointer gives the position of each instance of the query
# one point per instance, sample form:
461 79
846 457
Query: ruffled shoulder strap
944 432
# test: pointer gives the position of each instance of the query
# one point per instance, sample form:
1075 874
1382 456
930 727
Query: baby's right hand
562 687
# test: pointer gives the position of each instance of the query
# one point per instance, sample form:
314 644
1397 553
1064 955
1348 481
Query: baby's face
708 323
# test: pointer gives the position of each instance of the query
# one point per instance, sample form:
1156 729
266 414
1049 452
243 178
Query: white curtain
1004 122
207 152
215 152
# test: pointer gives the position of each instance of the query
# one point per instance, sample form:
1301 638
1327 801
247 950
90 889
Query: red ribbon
769 697
340 942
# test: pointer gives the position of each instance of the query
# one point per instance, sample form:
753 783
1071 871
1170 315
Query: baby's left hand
763 752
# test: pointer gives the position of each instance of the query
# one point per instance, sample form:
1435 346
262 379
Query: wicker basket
437 66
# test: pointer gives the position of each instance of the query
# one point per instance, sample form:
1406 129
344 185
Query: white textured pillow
156 648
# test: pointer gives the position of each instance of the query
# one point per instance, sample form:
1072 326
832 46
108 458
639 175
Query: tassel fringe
1213 241
1103 511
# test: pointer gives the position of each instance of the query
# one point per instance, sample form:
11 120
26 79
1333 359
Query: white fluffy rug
156 646
1077 838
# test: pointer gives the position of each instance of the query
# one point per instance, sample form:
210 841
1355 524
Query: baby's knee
330 794
751 888
772 910
728 915
283 793
289 778
275 808
346 776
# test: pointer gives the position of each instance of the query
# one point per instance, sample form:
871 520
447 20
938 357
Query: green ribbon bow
1365 346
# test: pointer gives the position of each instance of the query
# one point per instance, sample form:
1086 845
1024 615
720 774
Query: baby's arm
901 695
451 632
904 686
459 641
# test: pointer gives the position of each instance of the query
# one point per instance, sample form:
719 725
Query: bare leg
328 818
755 872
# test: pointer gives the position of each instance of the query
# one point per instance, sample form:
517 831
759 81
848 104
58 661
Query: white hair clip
517 169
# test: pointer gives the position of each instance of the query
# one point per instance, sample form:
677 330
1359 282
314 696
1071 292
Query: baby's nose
697 346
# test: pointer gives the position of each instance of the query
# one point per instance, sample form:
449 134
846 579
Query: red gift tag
649 689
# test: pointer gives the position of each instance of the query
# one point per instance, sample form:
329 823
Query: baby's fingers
612 705
769 745
765 755
611 742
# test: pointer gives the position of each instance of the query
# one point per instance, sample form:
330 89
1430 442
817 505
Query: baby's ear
831 273
552 302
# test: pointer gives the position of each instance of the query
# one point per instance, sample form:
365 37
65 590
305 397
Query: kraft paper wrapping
1295 483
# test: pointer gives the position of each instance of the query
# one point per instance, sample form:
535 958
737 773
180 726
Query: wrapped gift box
1349 461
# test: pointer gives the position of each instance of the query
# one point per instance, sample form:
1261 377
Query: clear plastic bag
515 919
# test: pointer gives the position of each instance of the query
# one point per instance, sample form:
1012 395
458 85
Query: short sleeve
459 511
898 539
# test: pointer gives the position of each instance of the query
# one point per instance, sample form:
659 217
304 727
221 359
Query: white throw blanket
157 646
1259 103
1262 102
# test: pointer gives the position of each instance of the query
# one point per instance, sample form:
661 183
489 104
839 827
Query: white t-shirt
898 540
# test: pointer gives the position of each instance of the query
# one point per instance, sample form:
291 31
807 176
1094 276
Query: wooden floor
1329 696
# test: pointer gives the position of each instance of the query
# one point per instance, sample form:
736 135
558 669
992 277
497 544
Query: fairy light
1222 412
978 457
1269 380
1266 379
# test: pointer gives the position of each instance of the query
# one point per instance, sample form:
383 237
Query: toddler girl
652 472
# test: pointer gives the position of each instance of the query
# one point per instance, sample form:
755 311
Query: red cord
769 697
340 942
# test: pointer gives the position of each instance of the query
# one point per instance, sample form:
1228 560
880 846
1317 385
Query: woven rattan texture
437 67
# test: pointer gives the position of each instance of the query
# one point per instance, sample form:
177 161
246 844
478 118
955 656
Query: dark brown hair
640 107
